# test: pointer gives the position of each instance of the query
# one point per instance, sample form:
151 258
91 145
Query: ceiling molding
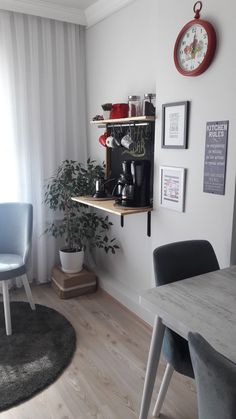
102 9
45 9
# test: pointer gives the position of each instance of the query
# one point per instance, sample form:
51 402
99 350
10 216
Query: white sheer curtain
42 114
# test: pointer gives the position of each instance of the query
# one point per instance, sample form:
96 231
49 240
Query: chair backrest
181 260
215 379
173 262
16 223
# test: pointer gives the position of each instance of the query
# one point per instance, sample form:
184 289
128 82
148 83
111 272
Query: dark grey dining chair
16 220
173 262
215 380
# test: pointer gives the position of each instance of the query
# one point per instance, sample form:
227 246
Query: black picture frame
175 122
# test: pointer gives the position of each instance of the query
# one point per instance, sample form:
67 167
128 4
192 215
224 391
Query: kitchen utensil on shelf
112 142
127 142
125 186
106 110
141 170
149 104
98 118
133 186
100 187
127 195
102 139
117 190
135 108
119 110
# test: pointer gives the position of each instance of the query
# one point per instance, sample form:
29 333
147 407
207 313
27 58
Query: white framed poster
172 187
175 125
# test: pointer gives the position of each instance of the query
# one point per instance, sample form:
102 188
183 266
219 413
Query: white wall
132 53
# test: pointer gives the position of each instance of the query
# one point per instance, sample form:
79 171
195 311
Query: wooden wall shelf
124 120
108 206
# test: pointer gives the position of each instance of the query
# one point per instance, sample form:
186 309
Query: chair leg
6 304
163 390
28 291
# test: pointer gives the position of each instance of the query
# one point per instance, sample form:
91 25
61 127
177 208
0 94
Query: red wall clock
195 45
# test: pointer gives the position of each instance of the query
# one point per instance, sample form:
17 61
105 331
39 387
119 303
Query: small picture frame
175 125
172 187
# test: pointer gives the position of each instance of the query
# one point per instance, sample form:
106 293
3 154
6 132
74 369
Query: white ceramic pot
71 262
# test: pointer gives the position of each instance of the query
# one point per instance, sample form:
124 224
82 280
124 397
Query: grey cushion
215 379
11 266
173 262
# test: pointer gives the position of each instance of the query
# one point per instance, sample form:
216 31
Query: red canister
119 110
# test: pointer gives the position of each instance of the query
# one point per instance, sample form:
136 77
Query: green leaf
75 222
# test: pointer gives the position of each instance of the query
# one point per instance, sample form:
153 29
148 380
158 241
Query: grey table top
205 304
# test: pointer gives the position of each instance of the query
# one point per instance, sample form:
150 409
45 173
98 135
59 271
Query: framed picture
172 187
175 125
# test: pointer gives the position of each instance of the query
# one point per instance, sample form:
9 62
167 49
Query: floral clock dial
195 45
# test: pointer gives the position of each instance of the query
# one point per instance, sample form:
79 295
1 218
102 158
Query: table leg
152 365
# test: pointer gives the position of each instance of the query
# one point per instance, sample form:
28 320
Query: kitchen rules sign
215 157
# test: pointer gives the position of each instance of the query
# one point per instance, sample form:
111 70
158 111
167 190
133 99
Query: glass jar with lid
149 104
135 107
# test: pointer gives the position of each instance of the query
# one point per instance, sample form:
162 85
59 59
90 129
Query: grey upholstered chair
215 379
16 221
173 262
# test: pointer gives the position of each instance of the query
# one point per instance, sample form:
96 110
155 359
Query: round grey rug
40 347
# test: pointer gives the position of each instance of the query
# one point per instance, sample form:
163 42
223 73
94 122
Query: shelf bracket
122 221
149 223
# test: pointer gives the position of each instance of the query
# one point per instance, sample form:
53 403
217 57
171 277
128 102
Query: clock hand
193 46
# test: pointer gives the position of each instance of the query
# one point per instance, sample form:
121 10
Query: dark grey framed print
175 117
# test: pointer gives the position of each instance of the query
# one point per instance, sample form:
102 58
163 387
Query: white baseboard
124 295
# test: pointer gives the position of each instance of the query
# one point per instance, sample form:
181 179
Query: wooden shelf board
108 206
125 120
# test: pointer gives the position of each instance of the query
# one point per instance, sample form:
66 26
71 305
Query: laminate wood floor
105 378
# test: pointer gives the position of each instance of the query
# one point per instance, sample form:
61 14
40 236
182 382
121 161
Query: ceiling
80 4
82 12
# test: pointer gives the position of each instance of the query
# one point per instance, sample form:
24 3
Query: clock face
192 47
195 47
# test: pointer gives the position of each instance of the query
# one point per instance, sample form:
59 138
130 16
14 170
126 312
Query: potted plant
80 227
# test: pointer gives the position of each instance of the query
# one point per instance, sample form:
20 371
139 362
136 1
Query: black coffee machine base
129 205
99 195
123 203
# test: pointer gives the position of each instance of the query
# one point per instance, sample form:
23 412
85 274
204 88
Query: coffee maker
134 184
141 170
